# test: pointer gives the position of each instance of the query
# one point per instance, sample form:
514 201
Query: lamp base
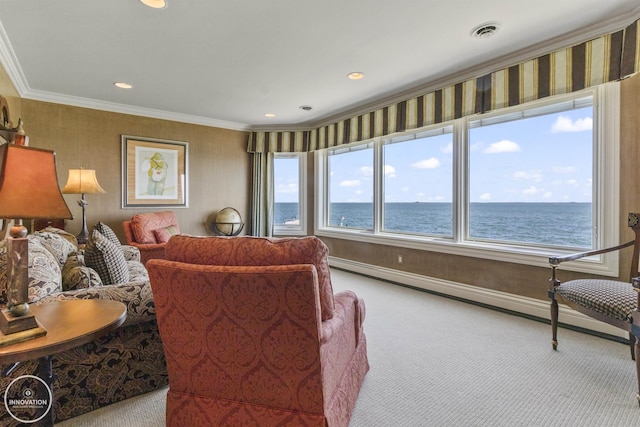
10 324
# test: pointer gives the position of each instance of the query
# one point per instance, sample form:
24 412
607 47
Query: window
289 201
351 187
514 185
418 183
531 174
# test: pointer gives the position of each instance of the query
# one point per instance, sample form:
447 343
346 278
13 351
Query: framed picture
154 173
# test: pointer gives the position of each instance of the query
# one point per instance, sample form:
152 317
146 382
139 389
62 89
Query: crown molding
113 107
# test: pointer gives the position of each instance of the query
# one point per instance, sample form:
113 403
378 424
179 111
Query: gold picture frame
154 172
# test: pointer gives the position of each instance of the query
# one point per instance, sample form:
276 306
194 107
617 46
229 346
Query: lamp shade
29 184
82 181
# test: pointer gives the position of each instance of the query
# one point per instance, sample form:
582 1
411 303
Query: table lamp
82 181
28 190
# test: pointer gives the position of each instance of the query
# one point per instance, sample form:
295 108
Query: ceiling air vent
484 31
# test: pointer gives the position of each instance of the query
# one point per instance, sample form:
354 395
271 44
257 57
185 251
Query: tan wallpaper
218 164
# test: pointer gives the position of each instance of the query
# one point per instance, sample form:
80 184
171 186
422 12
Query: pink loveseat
149 232
253 334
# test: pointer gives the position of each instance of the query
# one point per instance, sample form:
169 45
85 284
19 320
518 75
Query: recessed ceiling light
356 75
123 85
306 107
269 115
485 30
155 4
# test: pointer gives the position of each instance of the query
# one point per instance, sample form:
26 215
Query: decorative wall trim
516 303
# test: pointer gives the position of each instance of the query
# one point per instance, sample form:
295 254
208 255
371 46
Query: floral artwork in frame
154 172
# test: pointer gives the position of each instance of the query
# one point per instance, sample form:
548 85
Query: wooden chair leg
554 323
632 345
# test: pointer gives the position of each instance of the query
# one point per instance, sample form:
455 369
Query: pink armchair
149 232
253 334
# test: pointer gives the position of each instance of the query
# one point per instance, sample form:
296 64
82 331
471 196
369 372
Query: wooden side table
69 324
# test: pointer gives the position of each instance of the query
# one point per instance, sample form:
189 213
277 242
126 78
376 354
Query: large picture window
531 174
517 185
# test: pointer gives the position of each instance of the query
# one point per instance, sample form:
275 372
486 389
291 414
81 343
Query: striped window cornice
607 58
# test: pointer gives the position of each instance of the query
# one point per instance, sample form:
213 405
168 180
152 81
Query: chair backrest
141 227
257 251
243 334
634 223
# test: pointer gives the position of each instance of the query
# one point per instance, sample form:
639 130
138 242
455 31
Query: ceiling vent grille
484 31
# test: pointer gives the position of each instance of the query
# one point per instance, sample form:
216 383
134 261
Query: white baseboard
520 304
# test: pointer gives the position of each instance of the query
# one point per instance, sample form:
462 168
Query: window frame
606 199
299 229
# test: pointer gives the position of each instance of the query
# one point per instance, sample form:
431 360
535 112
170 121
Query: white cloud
564 169
536 176
350 183
572 182
504 146
404 189
389 171
547 195
366 170
485 196
531 190
447 149
431 163
565 124
287 188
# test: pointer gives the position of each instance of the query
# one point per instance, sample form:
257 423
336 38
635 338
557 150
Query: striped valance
607 58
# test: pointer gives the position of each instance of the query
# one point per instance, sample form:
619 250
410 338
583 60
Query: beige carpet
440 362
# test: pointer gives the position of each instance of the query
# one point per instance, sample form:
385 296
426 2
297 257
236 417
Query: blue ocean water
564 224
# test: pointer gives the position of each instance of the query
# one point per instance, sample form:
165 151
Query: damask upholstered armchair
253 334
149 232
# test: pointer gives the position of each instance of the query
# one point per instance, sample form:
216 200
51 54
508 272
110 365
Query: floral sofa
254 335
124 363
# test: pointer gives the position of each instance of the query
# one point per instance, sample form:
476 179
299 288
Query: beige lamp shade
29 184
82 181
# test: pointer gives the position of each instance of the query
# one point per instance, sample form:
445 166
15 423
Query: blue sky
540 159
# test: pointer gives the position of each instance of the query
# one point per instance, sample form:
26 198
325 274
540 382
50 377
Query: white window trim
299 229
607 156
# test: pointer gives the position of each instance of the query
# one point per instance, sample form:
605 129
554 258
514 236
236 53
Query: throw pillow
107 232
76 275
59 246
106 259
164 234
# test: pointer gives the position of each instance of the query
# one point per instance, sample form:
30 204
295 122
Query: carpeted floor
440 362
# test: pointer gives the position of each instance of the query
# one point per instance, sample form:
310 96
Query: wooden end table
69 324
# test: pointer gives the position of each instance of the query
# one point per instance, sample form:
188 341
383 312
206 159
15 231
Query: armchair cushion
60 248
44 271
164 234
143 225
106 259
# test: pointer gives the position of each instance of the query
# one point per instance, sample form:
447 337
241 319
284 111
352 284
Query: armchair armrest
556 260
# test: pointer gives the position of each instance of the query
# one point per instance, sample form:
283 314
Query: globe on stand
228 222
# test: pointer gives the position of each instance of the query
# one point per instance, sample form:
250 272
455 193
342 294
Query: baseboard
501 300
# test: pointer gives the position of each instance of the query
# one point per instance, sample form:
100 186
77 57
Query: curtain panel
607 58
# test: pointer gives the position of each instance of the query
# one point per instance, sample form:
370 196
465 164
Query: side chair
611 301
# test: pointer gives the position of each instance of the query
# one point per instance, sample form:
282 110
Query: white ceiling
227 63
